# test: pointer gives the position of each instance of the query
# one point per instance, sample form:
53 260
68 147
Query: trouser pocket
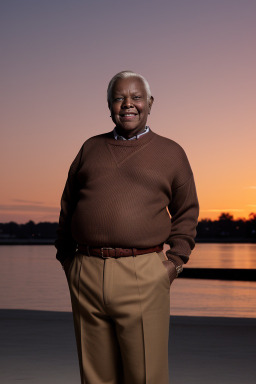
168 267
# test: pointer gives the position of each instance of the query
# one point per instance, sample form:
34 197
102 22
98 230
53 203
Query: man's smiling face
130 106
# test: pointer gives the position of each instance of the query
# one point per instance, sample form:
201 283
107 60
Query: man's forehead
129 83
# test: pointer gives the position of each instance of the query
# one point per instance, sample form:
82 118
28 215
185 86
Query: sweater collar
145 138
119 137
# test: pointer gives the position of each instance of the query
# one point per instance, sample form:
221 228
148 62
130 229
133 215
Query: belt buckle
101 252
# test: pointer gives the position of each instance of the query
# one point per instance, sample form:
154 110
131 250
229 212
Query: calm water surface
31 278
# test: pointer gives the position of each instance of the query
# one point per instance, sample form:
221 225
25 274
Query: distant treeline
29 230
223 229
226 228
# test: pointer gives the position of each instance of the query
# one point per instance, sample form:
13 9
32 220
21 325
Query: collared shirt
119 137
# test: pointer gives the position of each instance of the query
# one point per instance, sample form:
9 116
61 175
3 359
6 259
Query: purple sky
57 58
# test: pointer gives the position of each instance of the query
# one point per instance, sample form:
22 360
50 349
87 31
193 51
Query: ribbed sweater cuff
177 261
62 257
181 247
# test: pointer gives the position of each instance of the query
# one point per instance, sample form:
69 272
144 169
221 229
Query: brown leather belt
106 252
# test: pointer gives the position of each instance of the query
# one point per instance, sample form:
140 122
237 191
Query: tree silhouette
226 216
252 217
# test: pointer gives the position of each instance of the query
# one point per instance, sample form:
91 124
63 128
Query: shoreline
39 347
35 314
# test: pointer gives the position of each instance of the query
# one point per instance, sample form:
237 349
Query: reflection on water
223 256
31 278
213 298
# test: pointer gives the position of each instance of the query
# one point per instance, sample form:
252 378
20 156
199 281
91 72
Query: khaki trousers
121 311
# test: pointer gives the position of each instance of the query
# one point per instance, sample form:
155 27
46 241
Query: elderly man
128 192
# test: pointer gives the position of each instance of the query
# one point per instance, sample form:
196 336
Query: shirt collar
119 137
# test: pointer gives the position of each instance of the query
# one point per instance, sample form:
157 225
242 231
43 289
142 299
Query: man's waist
106 252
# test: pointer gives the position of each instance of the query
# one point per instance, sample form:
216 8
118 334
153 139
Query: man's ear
151 101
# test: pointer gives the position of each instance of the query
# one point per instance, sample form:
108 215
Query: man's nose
127 103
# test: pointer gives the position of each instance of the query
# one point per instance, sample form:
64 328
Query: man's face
130 106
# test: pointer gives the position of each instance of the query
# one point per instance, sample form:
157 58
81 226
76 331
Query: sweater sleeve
184 210
65 243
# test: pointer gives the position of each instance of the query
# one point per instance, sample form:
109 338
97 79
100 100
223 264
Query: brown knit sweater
129 193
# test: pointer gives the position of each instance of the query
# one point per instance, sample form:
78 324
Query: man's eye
118 99
137 97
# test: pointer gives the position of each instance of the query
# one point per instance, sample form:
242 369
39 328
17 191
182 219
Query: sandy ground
39 347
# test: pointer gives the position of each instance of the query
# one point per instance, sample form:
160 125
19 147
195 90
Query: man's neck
130 135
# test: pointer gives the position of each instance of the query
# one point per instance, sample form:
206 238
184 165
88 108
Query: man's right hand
66 265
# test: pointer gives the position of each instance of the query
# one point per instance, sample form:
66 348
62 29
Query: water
31 278
223 256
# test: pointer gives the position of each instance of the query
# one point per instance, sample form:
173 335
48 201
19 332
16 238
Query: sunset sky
57 57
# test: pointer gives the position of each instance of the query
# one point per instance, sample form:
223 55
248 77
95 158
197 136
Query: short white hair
124 75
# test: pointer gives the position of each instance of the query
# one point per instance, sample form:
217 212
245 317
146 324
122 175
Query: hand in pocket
171 269
67 265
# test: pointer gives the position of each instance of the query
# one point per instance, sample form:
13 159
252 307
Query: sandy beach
38 347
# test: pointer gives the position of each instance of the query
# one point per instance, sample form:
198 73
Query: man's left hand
171 269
